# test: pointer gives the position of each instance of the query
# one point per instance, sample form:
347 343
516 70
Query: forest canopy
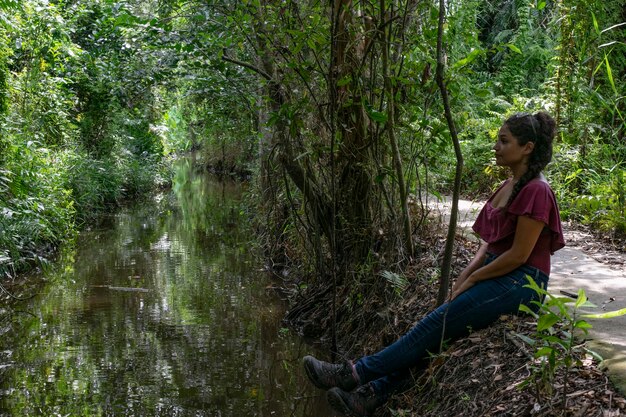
332 108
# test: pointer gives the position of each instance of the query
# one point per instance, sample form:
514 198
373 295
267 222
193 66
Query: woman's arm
475 263
526 235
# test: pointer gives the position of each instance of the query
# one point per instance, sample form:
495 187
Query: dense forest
333 110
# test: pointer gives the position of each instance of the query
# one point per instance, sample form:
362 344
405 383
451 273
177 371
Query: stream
161 310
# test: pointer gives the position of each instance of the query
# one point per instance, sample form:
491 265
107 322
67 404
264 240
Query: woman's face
509 152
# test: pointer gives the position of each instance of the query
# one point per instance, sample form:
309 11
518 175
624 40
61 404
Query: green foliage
94 116
590 187
77 116
100 185
510 26
554 341
36 210
480 171
4 73
591 113
215 105
397 281
38 91
522 45
96 184
176 134
561 57
4 89
113 86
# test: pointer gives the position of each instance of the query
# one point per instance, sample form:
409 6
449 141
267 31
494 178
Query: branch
247 65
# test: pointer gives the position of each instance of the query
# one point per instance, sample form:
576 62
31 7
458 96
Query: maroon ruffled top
496 226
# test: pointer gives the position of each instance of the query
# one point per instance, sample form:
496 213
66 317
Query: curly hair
539 128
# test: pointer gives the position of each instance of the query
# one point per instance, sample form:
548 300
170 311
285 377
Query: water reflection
162 313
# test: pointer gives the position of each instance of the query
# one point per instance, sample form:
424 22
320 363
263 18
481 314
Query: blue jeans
388 370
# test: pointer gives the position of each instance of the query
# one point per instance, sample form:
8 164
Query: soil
490 373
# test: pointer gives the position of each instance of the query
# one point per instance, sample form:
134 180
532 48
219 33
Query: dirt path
584 263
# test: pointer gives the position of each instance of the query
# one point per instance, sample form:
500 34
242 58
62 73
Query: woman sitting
520 229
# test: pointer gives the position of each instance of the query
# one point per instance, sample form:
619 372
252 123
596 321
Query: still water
162 311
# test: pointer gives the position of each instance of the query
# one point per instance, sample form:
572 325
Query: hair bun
547 124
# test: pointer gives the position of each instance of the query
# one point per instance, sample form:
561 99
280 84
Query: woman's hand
461 285
458 282
476 263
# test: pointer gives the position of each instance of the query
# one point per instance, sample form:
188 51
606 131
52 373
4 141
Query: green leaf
572 176
398 282
526 309
544 351
559 301
582 324
468 59
553 340
541 4
595 23
609 73
484 92
514 48
526 339
377 116
547 321
607 315
126 20
344 81
533 285
594 354
582 298
588 304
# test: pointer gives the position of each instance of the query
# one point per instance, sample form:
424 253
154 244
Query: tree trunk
397 159
354 188
444 281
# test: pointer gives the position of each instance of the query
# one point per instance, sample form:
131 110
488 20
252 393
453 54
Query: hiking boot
326 375
362 402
